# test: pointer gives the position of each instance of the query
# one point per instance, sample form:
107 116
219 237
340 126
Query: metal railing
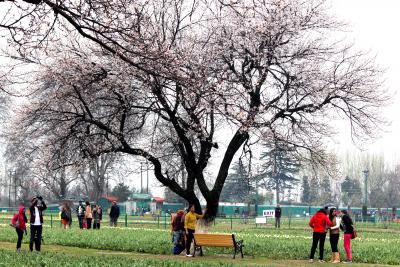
229 223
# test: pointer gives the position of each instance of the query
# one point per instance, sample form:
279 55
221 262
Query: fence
230 223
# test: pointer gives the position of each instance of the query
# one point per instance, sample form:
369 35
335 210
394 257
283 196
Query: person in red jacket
319 222
19 223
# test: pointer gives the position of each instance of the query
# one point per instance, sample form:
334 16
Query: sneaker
189 255
347 261
311 260
321 261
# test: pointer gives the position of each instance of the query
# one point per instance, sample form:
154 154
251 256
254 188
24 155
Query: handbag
16 225
354 234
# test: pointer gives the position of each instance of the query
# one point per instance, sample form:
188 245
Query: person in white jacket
334 217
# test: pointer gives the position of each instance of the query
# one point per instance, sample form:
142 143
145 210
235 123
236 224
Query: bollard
231 222
51 220
126 220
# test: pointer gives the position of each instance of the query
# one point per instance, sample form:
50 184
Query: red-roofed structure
159 199
106 201
110 198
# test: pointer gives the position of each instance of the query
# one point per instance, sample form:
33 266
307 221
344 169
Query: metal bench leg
239 247
234 252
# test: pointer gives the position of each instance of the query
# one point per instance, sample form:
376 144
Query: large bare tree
173 80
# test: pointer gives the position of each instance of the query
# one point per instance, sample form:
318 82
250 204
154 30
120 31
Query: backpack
178 249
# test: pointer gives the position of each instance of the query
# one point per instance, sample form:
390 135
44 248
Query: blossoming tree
165 79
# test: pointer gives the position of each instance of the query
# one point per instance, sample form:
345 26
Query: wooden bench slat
228 243
214 240
214 245
217 240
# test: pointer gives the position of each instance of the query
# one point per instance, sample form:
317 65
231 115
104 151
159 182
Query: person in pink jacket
319 223
19 223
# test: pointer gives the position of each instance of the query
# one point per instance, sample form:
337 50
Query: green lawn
373 246
55 255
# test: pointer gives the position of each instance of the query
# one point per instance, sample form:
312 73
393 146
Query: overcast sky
374 26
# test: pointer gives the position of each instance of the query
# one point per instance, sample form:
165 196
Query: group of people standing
322 223
20 220
87 215
183 226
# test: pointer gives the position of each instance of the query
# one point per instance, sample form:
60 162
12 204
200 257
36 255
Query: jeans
277 222
334 239
114 221
177 237
318 237
36 235
88 223
20 234
80 219
96 224
347 246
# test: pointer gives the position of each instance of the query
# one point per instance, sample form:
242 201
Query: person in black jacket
347 226
114 214
36 209
80 212
278 214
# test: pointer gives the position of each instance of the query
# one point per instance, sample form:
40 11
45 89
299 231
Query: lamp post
15 188
12 178
147 176
9 190
366 173
147 183
141 177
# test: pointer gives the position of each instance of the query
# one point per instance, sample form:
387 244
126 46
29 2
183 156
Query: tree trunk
212 208
63 188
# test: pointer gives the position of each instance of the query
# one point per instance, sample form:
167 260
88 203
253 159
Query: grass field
262 245
54 255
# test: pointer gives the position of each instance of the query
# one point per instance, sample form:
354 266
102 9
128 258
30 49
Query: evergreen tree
279 167
314 190
305 196
325 191
238 185
351 192
121 191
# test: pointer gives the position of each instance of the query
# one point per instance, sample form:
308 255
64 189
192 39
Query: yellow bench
217 240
